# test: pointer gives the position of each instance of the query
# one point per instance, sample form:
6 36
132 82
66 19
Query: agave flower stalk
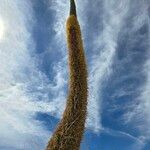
70 130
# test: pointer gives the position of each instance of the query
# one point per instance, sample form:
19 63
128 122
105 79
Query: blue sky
34 72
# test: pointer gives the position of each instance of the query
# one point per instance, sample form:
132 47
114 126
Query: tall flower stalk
69 132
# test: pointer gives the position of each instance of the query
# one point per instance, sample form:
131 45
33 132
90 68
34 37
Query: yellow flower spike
69 132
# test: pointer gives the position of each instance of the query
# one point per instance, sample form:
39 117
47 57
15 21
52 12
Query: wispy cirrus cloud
18 69
141 103
109 19
130 80
25 90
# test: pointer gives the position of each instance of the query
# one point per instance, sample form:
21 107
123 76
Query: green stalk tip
72 8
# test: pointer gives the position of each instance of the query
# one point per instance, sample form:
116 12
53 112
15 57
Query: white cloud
117 133
2 29
18 129
139 114
137 110
145 94
104 49
21 83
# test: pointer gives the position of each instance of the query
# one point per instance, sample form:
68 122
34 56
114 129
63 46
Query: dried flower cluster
69 132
